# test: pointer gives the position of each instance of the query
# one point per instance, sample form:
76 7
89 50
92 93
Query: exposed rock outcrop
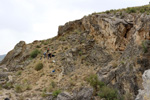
18 49
145 93
64 96
15 56
83 94
128 38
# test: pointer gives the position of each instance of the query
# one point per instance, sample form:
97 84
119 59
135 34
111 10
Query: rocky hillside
99 57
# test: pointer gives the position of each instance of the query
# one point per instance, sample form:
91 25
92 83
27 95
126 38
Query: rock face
108 38
112 31
84 94
15 52
64 96
145 93
125 74
17 55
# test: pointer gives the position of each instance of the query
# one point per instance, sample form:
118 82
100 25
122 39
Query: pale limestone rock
145 93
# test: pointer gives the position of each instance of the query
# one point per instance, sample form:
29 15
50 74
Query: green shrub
19 72
107 11
18 88
1 87
38 46
8 85
56 92
28 87
34 53
142 10
44 94
50 88
77 31
144 47
108 93
101 89
80 53
39 66
122 62
94 82
45 43
21 97
120 13
131 10
53 84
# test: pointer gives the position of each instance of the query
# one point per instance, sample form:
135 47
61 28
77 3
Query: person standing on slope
44 54
47 50
49 55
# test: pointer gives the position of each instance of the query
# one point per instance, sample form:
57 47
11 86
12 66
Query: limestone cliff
114 46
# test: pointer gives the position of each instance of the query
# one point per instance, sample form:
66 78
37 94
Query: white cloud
6 42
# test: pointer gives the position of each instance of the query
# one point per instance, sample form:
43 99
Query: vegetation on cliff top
139 9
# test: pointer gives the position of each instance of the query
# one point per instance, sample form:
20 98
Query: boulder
3 77
145 93
17 51
64 96
18 48
83 94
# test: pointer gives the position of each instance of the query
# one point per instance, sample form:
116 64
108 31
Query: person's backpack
53 55
53 71
6 99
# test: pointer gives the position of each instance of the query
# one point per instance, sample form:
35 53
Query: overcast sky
30 20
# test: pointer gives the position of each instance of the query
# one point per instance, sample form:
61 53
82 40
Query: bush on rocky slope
34 53
56 92
18 88
39 66
101 89
108 93
94 82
